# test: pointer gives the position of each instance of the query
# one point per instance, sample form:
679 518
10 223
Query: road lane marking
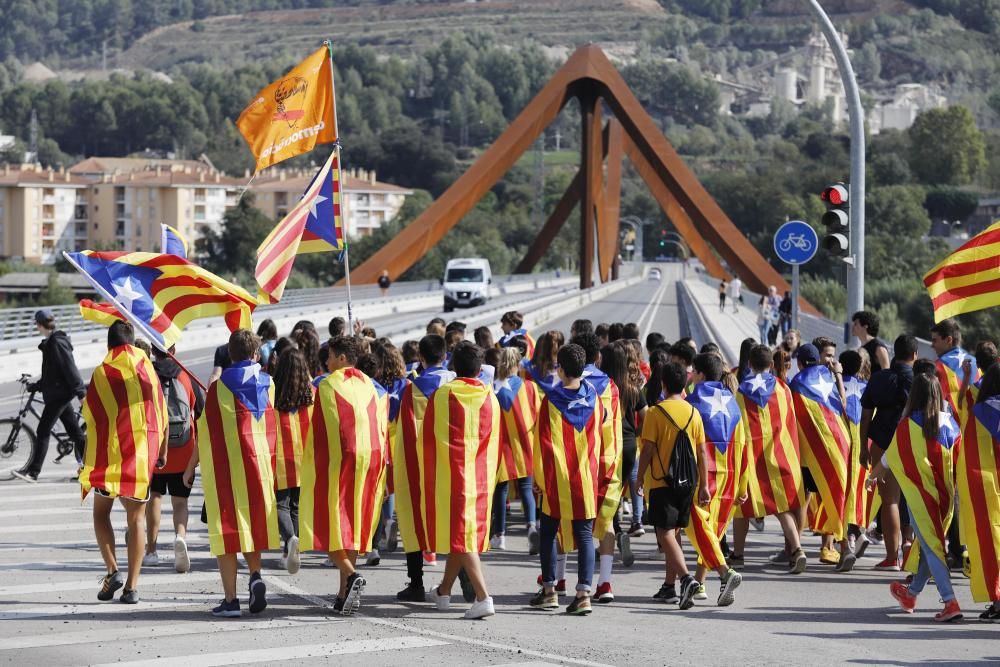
282 653
83 585
657 298
59 608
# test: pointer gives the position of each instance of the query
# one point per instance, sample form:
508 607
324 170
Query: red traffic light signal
835 195
837 220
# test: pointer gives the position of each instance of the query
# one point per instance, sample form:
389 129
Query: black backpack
178 413
682 471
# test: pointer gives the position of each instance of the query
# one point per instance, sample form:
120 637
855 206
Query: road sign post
795 243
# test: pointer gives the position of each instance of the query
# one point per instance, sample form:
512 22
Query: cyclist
59 383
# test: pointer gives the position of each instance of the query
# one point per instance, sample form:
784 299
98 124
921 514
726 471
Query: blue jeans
764 328
583 533
524 485
388 507
930 565
630 465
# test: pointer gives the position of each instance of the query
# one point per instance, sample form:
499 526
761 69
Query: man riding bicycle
59 384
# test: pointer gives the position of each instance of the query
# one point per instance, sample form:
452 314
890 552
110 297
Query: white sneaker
498 542
282 562
481 609
391 535
182 562
293 562
328 563
374 558
150 559
442 602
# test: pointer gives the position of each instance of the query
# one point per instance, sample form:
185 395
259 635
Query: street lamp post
637 223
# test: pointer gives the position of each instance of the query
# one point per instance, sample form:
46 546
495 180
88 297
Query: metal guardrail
19 323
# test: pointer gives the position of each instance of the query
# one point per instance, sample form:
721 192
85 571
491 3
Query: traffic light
837 221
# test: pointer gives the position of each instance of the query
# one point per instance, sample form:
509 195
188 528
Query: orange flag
293 114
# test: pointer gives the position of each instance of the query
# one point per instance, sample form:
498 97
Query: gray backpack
178 413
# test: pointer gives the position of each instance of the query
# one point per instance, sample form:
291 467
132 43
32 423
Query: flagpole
340 165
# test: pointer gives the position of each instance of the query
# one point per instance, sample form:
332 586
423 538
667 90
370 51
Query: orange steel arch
591 78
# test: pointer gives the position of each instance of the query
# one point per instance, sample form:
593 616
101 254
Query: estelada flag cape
236 434
507 339
859 500
343 466
726 466
967 280
293 428
126 417
293 114
395 397
949 373
567 452
924 470
460 441
518 413
407 456
979 498
824 440
772 444
609 472
530 372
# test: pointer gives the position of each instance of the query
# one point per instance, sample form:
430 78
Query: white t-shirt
734 288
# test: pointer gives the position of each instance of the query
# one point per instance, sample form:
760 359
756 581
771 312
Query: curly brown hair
292 386
392 365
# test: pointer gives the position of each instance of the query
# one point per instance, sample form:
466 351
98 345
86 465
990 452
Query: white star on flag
757 383
994 403
502 384
580 401
318 199
718 402
126 293
823 387
853 388
251 371
944 419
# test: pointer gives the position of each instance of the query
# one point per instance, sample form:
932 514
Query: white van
466 283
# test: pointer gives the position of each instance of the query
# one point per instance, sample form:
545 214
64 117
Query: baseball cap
807 354
43 315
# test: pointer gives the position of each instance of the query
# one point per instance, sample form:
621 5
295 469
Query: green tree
946 147
233 248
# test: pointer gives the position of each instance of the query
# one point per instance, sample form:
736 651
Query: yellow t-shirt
657 429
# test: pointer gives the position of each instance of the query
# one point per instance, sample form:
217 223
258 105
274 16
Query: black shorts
172 482
808 483
669 508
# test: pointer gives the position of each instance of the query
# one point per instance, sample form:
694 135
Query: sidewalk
728 328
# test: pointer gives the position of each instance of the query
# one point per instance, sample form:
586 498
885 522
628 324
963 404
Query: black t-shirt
629 420
886 394
383 282
871 347
222 357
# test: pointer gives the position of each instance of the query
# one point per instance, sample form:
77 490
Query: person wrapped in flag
126 416
775 470
978 477
540 367
726 472
921 459
343 469
512 325
407 458
856 366
293 405
824 439
518 413
460 447
567 469
236 433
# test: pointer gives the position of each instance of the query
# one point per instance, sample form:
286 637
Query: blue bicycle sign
795 242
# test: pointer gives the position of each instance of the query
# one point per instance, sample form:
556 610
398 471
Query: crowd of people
349 446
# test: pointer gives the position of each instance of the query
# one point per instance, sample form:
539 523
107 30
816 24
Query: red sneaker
430 558
560 585
907 600
890 565
604 593
951 612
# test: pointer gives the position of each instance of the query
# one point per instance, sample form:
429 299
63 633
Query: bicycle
19 438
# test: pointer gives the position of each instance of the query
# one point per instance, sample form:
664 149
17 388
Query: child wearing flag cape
856 366
775 471
126 417
343 469
726 473
920 457
236 434
512 325
460 443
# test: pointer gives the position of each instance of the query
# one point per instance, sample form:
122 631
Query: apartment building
42 212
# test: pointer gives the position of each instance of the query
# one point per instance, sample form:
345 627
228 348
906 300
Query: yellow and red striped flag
460 442
979 497
859 499
925 472
236 434
343 467
720 414
313 225
949 373
126 417
969 278
519 412
824 441
293 429
99 312
609 473
772 444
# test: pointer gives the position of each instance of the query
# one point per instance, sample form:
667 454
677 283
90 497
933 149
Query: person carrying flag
460 445
343 469
825 441
920 458
236 434
726 473
567 474
126 417
407 457
775 469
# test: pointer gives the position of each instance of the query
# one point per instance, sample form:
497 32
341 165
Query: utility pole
856 260
539 206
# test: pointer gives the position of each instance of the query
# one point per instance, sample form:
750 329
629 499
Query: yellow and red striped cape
518 401
236 434
858 507
979 498
949 373
609 488
824 441
460 441
293 428
126 416
726 466
343 466
925 472
771 442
